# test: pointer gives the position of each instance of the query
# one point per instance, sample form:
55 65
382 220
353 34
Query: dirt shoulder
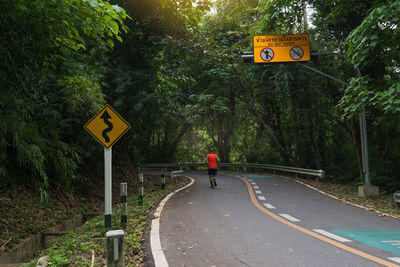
383 204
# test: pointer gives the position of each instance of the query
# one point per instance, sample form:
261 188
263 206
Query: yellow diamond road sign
281 48
107 126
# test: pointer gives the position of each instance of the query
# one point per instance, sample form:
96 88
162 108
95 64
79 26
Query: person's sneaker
215 183
212 185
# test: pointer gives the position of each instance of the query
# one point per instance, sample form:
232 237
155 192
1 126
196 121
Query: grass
383 204
78 246
22 214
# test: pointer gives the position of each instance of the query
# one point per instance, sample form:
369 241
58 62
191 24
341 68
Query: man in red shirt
212 160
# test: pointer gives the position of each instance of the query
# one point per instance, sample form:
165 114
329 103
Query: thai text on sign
281 48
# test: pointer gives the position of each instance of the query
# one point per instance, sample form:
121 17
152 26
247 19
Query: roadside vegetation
85 245
383 204
173 70
23 214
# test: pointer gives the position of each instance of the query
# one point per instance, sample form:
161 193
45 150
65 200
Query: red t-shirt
212 161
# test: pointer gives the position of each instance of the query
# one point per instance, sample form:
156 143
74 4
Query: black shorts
212 171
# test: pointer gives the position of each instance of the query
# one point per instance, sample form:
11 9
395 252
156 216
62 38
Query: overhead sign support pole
364 141
295 48
107 187
367 189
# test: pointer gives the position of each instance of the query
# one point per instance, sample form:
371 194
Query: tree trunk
260 130
314 143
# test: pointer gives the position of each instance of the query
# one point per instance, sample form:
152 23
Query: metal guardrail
317 173
176 173
161 170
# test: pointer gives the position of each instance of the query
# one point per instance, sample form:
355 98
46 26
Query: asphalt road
269 221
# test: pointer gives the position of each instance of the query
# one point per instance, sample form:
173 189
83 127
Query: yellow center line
313 234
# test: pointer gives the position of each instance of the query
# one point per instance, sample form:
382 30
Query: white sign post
107 187
107 126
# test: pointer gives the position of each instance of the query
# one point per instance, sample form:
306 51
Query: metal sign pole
364 141
363 124
364 146
363 127
107 187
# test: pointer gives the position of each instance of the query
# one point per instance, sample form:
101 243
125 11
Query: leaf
110 43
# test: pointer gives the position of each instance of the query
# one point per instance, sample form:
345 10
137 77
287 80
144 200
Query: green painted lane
386 240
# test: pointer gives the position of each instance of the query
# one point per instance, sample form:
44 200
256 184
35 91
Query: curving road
269 221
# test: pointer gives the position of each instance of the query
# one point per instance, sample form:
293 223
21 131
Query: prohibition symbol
267 54
296 53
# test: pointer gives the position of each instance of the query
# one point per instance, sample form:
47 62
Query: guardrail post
141 188
115 248
173 175
396 198
163 179
124 205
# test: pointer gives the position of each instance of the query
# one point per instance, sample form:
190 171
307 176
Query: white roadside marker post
115 248
163 178
124 205
141 187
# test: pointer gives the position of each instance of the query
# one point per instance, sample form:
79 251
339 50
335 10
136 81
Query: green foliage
373 47
76 247
281 16
24 214
53 63
179 80
150 81
364 35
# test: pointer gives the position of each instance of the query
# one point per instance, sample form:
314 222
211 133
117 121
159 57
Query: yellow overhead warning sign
107 126
281 48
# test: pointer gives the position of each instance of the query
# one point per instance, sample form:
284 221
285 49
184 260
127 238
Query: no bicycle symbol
267 54
296 53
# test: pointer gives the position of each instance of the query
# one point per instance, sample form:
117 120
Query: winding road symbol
107 126
106 118
267 54
296 53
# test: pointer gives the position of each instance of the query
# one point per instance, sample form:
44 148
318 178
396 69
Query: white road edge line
269 206
256 187
333 236
253 183
261 197
395 259
155 242
258 192
290 218
345 201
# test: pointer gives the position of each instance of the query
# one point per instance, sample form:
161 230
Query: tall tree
150 81
52 65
